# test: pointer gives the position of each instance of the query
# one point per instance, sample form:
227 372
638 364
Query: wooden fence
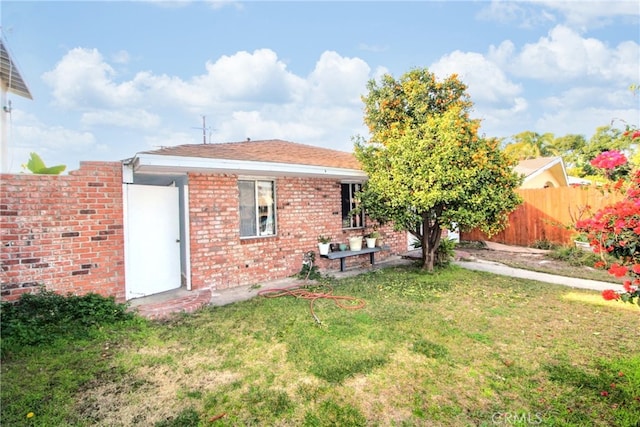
547 214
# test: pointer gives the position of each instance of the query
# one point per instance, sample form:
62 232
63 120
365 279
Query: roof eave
548 166
149 163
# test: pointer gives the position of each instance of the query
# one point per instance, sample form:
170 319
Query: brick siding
63 232
305 208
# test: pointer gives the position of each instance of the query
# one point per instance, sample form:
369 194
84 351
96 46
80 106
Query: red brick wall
64 232
305 207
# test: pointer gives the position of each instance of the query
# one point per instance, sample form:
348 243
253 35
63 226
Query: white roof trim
152 163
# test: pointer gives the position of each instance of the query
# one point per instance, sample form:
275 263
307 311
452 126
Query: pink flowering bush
609 160
615 229
613 164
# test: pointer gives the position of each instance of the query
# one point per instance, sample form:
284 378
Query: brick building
206 216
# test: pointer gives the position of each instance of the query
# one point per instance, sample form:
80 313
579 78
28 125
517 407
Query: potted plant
582 242
323 244
355 243
375 234
371 239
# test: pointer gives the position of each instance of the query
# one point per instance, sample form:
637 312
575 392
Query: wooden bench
342 255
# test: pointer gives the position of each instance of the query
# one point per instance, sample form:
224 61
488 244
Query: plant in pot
378 236
324 243
582 242
355 243
371 239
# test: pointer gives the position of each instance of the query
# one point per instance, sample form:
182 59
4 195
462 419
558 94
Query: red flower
604 393
636 268
600 264
610 294
627 285
618 270
618 185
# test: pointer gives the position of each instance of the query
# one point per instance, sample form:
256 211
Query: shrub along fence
547 214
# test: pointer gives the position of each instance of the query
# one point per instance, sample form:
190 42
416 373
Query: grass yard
452 348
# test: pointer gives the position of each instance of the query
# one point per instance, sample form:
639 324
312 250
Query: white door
152 246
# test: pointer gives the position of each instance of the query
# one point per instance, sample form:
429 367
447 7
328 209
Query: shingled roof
269 151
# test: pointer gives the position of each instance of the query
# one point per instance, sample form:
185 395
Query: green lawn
452 348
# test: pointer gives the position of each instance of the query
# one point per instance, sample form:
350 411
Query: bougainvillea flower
600 264
609 160
610 294
618 270
627 285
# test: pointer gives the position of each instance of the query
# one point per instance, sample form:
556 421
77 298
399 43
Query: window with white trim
257 208
352 212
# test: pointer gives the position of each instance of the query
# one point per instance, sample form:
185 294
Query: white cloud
486 82
570 121
519 12
170 3
257 125
255 77
83 78
31 132
242 95
577 97
121 57
253 94
589 69
55 144
128 118
167 138
170 91
503 122
379 72
337 80
578 15
219 4
583 15
565 55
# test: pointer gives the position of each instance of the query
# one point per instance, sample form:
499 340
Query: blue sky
110 79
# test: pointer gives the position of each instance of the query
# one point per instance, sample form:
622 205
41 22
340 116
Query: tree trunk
430 238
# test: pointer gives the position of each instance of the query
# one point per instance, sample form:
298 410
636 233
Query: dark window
352 213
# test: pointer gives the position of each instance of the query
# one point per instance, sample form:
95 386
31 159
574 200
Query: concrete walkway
497 268
464 260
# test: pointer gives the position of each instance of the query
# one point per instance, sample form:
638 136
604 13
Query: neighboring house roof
275 157
532 169
10 76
